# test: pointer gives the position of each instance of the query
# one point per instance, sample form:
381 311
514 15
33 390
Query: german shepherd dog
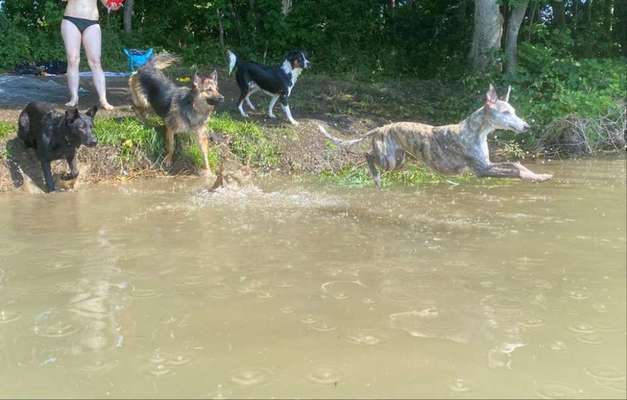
56 136
449 149
182 109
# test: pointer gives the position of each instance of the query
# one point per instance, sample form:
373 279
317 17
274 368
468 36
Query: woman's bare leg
92 41
72 41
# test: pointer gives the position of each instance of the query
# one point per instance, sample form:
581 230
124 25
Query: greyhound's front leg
71 162
45 166
510 170
376 175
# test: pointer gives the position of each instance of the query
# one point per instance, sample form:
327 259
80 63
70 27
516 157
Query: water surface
489 289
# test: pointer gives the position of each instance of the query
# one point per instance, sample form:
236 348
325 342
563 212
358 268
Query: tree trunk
620 30
221 28
461 14
532 18
559 13
128 15
487 34
286 7
511 39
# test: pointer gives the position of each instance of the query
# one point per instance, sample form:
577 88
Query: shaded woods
367 37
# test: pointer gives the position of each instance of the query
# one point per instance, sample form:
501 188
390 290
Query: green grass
6 129
248 143
411 175
130 136
191 151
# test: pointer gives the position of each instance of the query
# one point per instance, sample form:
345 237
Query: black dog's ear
72 114
92 111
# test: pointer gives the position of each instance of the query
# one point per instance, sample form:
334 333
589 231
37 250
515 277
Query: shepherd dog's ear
214 76
72 114
92 111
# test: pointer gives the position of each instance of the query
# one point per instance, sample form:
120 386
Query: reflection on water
301 290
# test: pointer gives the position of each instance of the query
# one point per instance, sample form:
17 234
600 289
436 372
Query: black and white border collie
277 82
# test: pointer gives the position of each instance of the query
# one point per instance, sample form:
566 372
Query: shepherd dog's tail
161 61
232 60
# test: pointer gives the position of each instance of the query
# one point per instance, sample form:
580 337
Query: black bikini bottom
81 23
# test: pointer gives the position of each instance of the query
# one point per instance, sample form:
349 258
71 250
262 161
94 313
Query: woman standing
80 25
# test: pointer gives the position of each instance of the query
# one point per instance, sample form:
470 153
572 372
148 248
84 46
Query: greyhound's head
500 114
81 126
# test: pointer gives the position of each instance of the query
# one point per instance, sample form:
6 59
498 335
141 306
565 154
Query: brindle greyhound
449 149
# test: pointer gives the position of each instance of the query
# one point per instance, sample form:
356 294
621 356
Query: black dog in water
56 136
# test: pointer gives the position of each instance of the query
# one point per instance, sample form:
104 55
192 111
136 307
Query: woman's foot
104 104
72 103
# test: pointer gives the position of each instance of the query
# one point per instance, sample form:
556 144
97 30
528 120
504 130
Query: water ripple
251 376
605 373
9 316
459 385
364 337
324 376
582 327
557 391
54 324
590 338
342 290
430 323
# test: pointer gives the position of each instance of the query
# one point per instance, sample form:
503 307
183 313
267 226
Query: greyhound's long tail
347 143
232 60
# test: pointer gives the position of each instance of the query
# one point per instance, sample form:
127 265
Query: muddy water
301 290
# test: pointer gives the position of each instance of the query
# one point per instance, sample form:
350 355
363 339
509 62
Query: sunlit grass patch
412 175
130 135
6 129
191 151
248 141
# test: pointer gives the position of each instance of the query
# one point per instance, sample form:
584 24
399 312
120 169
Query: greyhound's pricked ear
72 114
509 90
92 111
491 97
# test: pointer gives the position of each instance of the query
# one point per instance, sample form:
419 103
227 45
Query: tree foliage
368 38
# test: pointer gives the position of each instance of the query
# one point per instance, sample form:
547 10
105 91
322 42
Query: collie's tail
232 60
